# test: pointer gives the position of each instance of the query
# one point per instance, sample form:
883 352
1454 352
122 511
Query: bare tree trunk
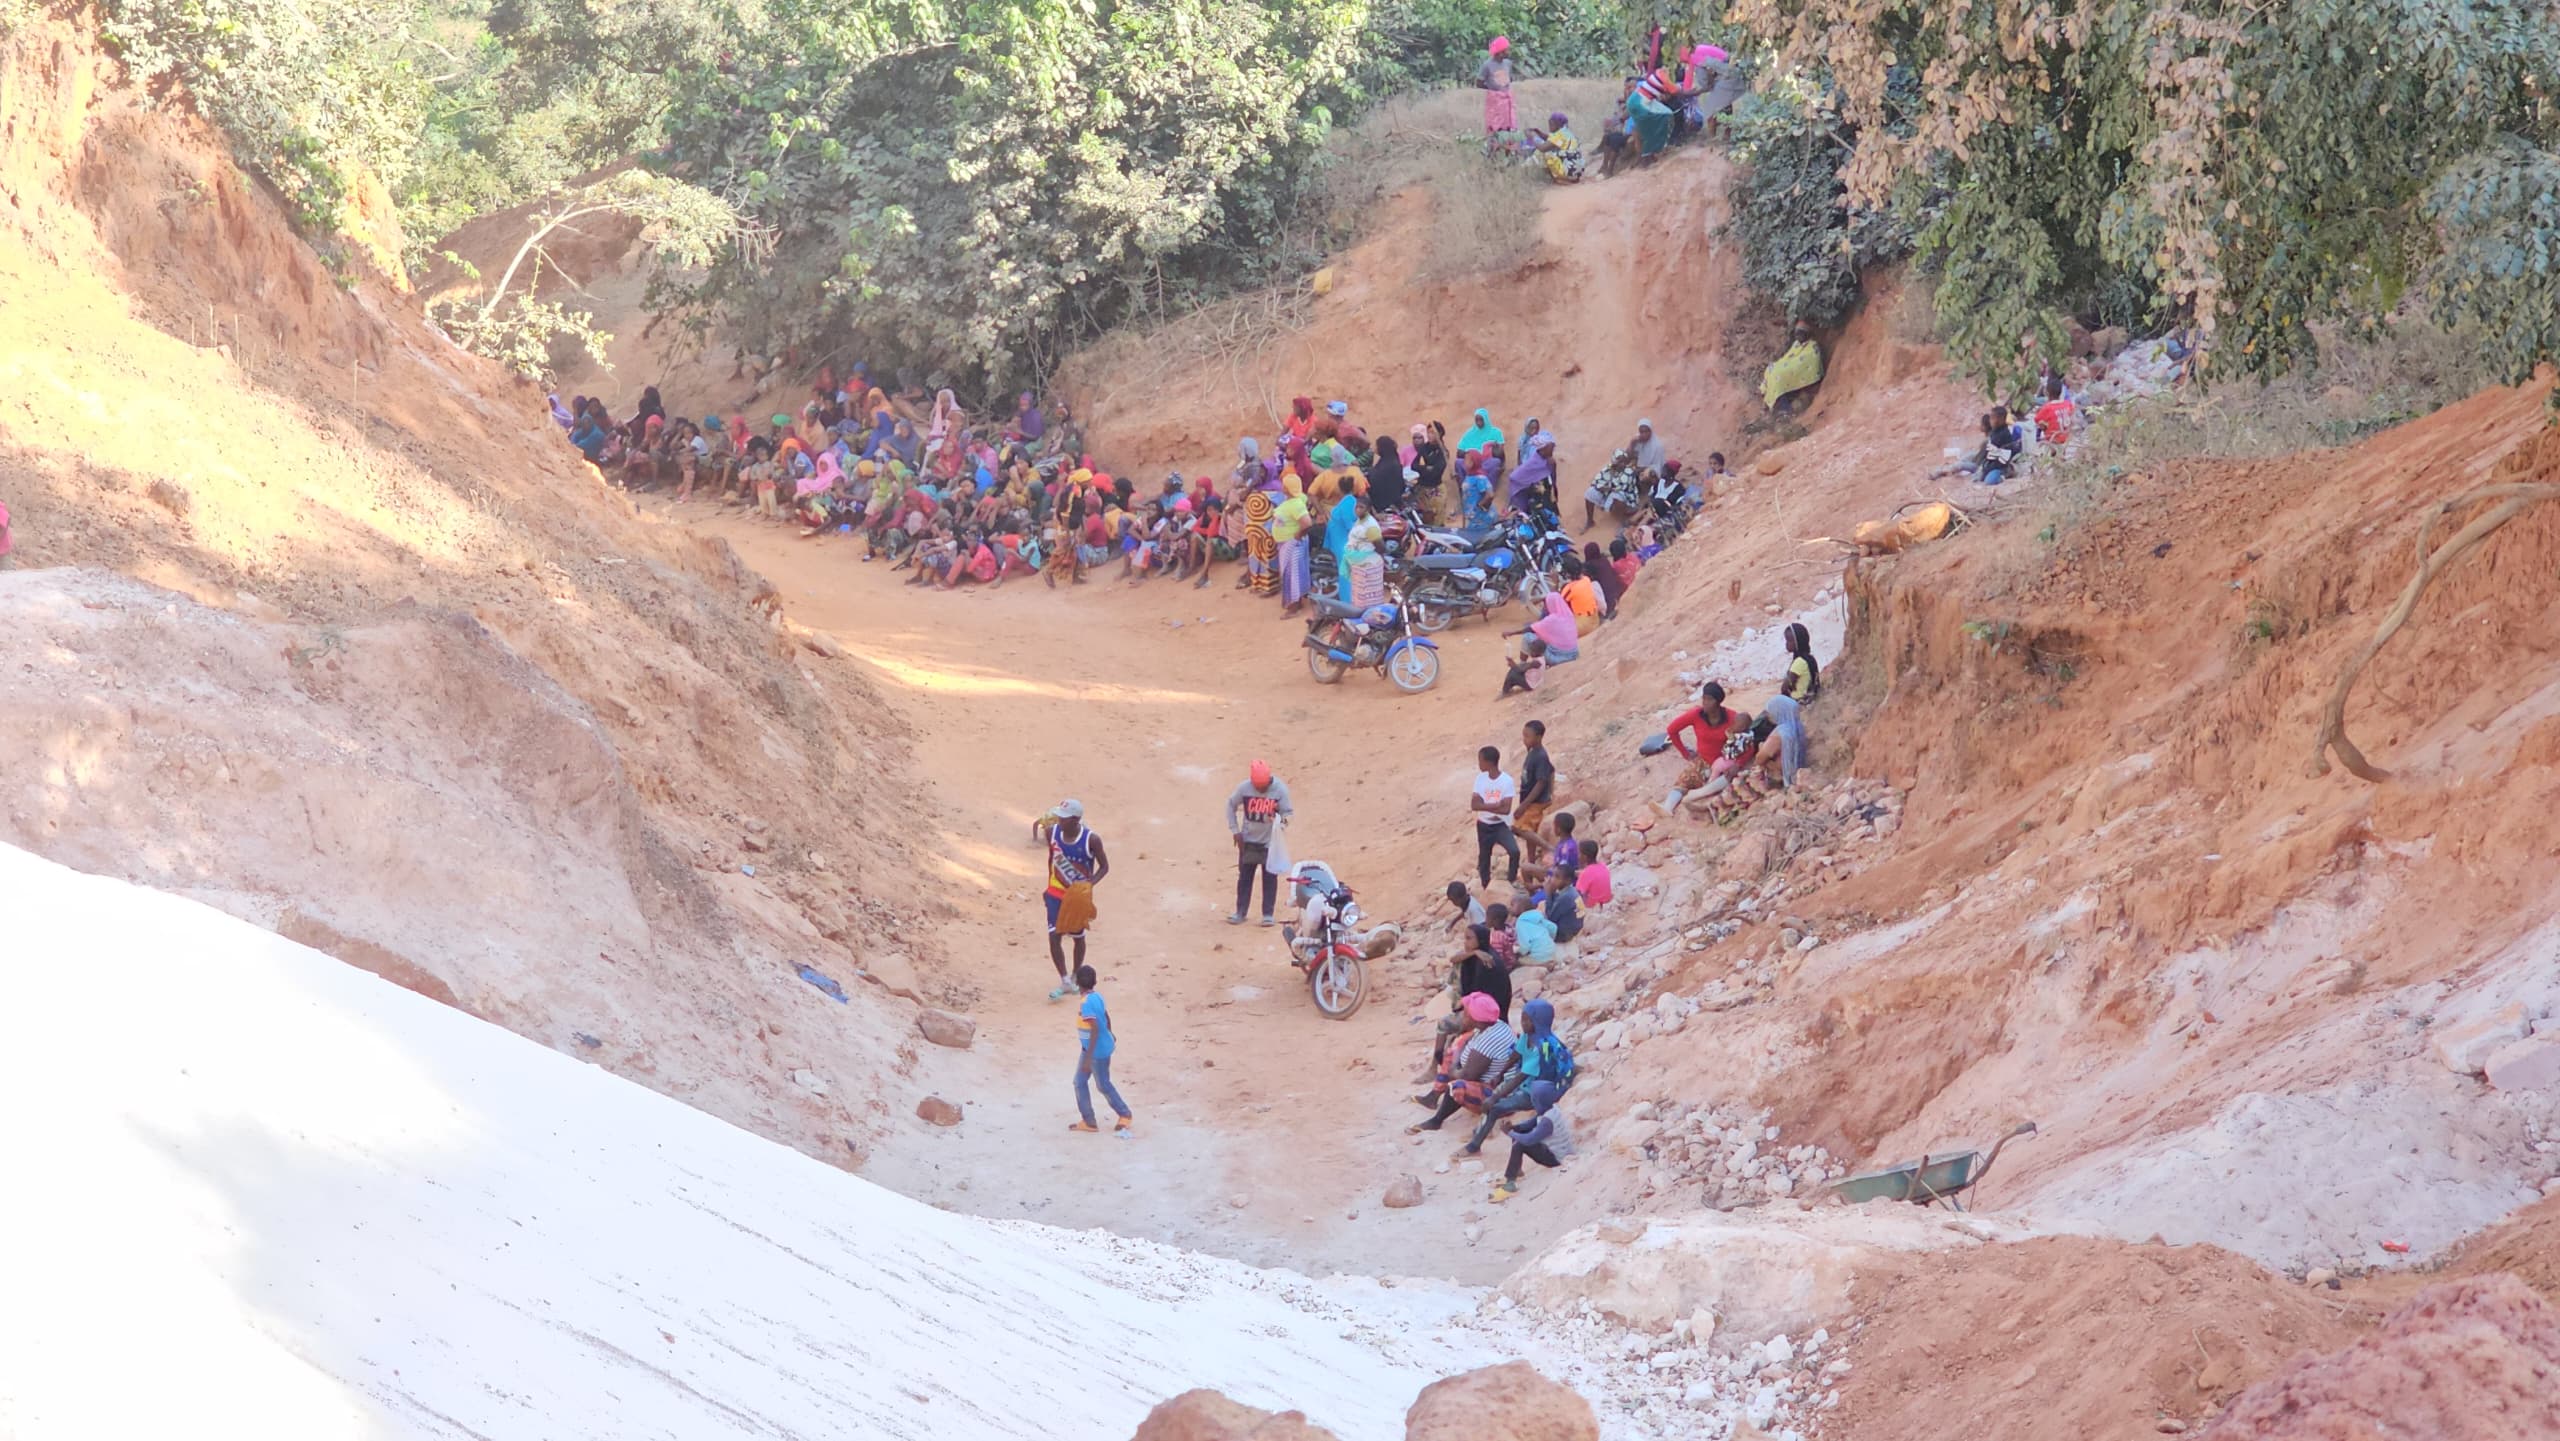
2514 500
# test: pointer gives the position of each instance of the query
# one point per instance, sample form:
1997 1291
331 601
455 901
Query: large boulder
2471 1360
893 973
1205 1415
945 1029
1510 1402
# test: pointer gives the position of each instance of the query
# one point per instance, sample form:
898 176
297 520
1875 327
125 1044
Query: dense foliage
308 105
974 192
537 92
971 185
2241 168
1804 242
511 323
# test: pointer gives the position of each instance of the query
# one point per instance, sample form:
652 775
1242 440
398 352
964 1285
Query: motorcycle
1446 589
1378 637
1326 943
1540 536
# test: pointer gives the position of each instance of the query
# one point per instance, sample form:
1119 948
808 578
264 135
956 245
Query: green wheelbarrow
1930 1180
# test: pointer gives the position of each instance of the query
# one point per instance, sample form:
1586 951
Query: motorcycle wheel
1338 984
1415 669
1434 609
1325 668
1533 589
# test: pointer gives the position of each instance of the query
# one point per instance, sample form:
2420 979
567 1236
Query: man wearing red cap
1255 813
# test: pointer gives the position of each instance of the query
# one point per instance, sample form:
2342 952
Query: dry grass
1411 139
1485 213
1232 336
1485 217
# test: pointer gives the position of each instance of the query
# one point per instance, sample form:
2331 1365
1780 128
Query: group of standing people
1078 862
1324 489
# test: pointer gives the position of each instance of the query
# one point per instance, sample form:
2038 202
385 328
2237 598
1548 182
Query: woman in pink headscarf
1550 640
1716 83
1471 1072
809 494
1493 77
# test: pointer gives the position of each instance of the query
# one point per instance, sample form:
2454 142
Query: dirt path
1263 1127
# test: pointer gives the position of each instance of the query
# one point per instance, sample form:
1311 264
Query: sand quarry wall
309 618
2108 896
2248 1005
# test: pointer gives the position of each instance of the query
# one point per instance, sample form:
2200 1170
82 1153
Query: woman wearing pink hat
1717 84
1493 77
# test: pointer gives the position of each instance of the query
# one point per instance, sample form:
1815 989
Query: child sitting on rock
1592 881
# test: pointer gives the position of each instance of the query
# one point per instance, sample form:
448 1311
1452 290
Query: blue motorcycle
1449 586
1377 637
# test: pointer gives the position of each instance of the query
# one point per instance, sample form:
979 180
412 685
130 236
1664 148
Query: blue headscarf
1540 1017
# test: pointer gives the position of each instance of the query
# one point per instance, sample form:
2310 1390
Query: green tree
2255 167
688 227
305 104
976 193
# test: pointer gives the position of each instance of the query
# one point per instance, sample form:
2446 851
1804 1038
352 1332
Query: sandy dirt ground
1147 704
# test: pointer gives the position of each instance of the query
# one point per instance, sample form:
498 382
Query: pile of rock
1673 1384
1721 1155
1868 810
1664 1016
2136 371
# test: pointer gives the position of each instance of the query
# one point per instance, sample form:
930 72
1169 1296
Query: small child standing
1094 1044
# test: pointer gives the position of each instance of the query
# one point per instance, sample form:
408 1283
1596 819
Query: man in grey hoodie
1255 812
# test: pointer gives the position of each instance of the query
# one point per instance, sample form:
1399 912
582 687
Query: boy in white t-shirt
1494 797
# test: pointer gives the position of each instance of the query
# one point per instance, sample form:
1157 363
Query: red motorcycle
1331 951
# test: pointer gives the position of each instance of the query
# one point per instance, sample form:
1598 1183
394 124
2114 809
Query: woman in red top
1302 418
1699 734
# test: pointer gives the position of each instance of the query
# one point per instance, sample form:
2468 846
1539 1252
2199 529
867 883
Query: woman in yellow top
1289 523
1583 596
1338 477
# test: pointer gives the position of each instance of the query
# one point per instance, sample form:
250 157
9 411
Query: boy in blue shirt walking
1095 1043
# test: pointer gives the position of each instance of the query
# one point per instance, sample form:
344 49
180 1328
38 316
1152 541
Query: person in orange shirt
1582 596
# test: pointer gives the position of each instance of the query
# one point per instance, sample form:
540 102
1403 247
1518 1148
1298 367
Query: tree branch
2514 500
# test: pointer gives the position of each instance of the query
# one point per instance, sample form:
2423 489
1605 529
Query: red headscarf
1302 414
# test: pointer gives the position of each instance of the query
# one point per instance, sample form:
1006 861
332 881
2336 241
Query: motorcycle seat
1448 562
1331 609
